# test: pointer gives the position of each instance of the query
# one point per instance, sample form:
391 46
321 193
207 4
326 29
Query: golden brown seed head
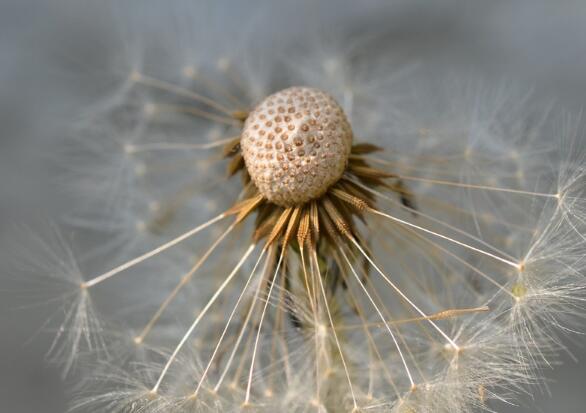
296 144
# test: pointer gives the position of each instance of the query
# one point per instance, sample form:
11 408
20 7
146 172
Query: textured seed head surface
296 144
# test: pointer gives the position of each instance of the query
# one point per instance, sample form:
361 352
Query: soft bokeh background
538 43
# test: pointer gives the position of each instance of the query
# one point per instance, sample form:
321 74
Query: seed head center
296 145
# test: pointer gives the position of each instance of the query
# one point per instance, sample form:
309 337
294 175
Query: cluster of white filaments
351 269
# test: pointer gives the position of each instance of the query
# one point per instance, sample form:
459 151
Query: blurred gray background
539 43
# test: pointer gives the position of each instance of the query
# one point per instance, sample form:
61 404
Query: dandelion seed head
296 144
389 280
